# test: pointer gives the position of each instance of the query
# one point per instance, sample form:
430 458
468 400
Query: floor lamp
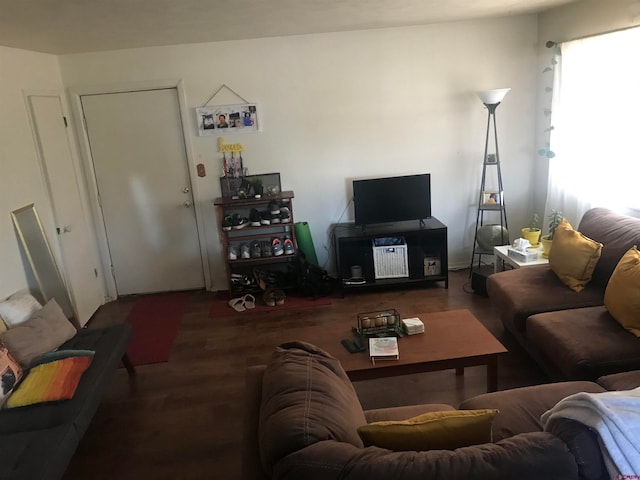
487 236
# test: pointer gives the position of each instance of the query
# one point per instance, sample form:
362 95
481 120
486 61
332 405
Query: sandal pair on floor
241 304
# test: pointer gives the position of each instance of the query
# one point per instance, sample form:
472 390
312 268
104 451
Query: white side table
502 257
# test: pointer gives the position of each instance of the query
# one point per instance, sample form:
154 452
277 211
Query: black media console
425 247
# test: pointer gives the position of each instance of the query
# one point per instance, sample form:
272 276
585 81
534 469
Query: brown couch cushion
621 381
520 408
584 343
306 398
616 232
520 293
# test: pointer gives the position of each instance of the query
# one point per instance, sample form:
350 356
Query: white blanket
616 418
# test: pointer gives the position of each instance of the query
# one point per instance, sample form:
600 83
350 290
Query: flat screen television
392 199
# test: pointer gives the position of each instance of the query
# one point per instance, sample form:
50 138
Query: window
596 120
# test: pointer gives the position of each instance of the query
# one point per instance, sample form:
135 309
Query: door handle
186 190
187 204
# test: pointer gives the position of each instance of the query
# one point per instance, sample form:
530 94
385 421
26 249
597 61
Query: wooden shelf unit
248 234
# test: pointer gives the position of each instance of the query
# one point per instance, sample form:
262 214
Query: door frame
75 94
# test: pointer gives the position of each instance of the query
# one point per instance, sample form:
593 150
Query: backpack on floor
312 281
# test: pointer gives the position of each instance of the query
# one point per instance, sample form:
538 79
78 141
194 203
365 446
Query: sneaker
288 245
226 223
279 297
244 251
266 249
232 252
285 215
254 218
275 218
265 218
239 222
274 208
269 298
255 250
276 246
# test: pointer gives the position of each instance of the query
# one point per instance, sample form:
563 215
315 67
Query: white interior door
80 263
140 164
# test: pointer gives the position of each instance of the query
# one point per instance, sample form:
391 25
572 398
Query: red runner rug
221 309
155 320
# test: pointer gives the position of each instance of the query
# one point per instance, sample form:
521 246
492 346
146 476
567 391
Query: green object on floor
305 242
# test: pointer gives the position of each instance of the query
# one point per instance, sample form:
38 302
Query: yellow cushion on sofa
573 256
444 430
622 296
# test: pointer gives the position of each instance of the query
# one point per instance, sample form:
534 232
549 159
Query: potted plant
555 217
532 232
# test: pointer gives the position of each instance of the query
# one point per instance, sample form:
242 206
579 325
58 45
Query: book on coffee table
383 348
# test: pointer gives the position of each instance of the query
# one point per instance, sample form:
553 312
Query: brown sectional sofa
571 335
302 414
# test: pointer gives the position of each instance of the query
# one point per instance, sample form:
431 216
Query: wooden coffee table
454 339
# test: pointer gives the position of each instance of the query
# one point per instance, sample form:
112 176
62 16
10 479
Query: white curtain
596 120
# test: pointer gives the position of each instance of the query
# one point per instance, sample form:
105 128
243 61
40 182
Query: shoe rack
240 276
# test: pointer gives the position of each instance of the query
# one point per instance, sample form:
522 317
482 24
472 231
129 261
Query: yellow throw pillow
622 296
573 257
446 430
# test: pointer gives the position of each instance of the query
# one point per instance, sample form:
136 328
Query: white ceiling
73 26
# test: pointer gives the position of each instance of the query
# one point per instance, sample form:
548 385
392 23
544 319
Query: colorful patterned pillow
10 373
51 380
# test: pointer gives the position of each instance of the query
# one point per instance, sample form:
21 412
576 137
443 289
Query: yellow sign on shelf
229 147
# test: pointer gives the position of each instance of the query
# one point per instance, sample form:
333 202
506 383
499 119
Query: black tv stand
426 243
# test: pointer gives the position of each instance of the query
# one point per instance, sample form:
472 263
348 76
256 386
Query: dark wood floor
183 419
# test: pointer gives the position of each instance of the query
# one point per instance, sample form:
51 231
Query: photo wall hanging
224 119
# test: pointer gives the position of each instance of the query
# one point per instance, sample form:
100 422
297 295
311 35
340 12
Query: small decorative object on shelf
379 324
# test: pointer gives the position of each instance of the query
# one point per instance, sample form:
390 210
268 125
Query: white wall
339 106
21 181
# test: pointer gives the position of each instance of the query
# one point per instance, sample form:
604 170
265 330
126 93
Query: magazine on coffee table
384 348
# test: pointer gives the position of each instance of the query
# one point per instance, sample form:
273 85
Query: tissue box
522 256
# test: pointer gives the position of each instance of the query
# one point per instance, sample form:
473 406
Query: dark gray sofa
38 441
571 335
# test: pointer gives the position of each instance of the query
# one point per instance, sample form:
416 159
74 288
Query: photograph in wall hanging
224 119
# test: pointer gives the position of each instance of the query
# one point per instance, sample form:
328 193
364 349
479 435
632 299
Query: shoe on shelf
265 218
274 208
275 218
227 223
279 297
254 218
266 249
285 215
269 298
276 246
288 245
244 251
255 250
232 253
238 222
